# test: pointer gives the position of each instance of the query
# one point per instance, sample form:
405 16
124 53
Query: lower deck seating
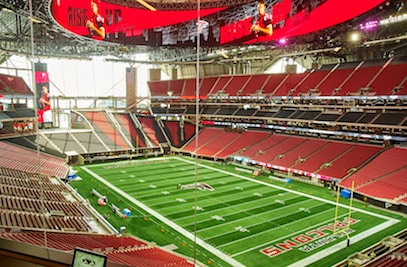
389 186
324 157
119 249
384 176
388 161
240 142
32 201
396 258
204 136
17 157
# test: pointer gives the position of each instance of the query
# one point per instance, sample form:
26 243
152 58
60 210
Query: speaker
41 67
155 75
291 68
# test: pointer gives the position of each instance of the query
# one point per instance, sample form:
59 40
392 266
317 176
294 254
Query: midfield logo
200 186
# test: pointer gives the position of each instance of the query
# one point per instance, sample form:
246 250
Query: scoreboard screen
234 25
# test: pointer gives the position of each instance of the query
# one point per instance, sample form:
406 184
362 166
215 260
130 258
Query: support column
131 86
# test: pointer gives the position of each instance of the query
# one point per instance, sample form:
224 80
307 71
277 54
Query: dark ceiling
47 39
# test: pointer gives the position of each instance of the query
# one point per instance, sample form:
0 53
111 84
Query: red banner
73 16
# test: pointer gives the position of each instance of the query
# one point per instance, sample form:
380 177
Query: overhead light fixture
354 37
393 19
35 19
224 55
282 41
146 5
221 52
4 8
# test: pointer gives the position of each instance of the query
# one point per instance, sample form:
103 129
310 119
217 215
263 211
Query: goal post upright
336 207
344 230
351 203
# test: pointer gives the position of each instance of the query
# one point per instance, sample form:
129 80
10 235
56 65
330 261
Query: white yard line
290 190
268 243
168 222
244 218
228 207
247 226
270 230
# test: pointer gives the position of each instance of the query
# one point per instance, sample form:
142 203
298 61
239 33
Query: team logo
200 186
312 239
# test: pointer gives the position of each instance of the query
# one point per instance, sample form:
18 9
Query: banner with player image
257 21
43 94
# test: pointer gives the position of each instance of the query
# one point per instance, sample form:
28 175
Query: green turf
240 218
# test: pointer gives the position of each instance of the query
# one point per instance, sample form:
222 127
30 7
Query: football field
239 218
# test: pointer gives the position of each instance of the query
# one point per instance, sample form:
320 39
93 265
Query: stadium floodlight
283 41
354 37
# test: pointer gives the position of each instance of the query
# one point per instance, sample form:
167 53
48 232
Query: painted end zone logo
312 239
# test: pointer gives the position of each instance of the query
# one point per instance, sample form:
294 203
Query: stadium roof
51 40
